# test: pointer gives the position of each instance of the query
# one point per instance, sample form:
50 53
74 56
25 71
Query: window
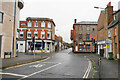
80 36
109 33
49 25
80 47
93 29
48 35
53 36
76 28
21 34
43 34
36 34
80 27
114 17
1 17
24 24
88 37
43 24
36 24
29 24
87 28
29 34
115 31
88 47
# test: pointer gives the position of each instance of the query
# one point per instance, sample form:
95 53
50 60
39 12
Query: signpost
33 44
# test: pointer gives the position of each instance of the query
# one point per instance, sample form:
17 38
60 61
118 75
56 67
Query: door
21 47
0 44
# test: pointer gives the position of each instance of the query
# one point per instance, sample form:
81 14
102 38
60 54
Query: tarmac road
63 64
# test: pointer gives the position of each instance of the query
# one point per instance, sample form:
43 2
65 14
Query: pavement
105 69
22 58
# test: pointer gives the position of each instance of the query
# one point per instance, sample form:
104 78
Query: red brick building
42 29
82 35
108 32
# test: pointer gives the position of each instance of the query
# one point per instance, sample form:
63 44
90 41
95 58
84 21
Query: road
63 64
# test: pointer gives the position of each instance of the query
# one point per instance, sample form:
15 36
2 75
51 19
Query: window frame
22 34
87 37
49 35
81 36
42 23
29 24
42 34
115 32
36 32
49 25
35 24
80 28
109 33
27 34
87 28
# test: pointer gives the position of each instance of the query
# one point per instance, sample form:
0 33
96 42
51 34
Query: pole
34 50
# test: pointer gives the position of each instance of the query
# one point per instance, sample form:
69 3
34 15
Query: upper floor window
80 27
49 25
43 24
53 36
21 34
87 28
49 35
36 34
23 24
88 37
76 27
1 17
29 34
115 31
109 33
114 17
43 34
80 36
29 24
36 24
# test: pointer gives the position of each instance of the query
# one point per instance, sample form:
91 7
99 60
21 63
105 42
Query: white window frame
80 28
29 32
109 33
87 28
49 25
43 33
1 17
36 32
36 24
21 32
49 34
29 24
43 24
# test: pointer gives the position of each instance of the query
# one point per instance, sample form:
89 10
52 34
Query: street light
98 7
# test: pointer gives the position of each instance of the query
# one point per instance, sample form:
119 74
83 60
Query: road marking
27 63
39 71
87 71
13 74
37 65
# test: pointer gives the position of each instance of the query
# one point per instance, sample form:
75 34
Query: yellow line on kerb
87 71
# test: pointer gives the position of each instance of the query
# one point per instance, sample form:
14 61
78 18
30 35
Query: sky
63 12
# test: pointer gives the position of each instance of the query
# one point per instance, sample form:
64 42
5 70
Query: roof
113 23
87 22
40 19
115 12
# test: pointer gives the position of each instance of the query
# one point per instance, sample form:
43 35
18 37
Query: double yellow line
87 71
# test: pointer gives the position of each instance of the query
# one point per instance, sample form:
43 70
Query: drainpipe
14 29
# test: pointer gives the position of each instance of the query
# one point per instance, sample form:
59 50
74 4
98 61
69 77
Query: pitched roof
87 22
40 19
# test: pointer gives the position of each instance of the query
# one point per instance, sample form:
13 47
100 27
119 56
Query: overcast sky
63 12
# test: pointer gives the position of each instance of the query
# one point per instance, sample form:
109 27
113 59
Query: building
108 27
58 43
82 35
42 29
9 20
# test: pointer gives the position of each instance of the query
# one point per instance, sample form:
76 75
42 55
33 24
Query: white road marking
37 65
27 64
39 71
87 71
13 74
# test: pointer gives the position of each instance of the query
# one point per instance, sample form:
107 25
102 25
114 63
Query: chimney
75 21
109 13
